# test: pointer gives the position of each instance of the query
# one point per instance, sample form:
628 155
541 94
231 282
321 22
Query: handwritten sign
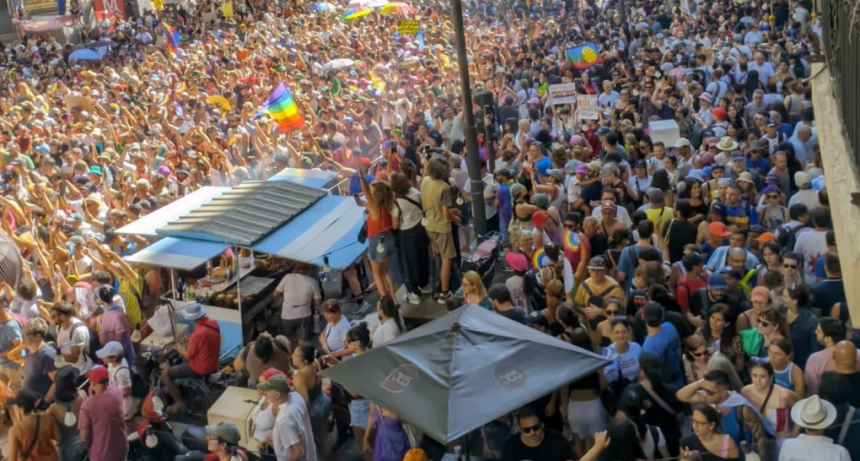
78 102
408 27
587 107
562 93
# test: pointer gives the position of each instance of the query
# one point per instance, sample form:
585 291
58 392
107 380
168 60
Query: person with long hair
390 322
770 252
772 400
381 244
263 415
623 352
772 215
771 326
333 337
720 335
708 438
412 242
612 309
580 403
694 193
308 383
474 291
650 437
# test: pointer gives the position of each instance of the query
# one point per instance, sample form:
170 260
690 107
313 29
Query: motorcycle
154 439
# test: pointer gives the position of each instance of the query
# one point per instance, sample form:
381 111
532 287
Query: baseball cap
766 237
226 431
99 375
602 131
801 178
718 229
597 263
517 261
717 281
275 383
111 349
720 113
682 142
737 155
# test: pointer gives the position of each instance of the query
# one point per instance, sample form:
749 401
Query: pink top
816 365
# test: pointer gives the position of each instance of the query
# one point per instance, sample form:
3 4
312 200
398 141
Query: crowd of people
705 269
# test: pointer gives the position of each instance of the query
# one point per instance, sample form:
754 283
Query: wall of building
843 179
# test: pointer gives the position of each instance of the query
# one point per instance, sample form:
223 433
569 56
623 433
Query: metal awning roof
244 214
147 225
179 254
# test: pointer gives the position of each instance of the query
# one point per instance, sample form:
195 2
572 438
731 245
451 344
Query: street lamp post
473 160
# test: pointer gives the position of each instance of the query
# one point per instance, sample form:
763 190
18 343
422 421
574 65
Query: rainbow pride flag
378 84
173 39
584 56
281 107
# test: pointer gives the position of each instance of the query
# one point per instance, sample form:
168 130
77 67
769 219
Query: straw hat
727 144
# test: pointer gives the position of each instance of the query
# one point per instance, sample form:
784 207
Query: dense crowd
704 268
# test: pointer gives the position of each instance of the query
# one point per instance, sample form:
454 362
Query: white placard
587 107
562 93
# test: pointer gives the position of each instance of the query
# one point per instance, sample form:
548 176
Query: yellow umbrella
356 12
397 7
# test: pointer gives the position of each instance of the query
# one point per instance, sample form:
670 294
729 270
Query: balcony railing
841 45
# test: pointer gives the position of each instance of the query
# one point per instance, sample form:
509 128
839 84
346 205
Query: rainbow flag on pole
281 107
584 56
173 38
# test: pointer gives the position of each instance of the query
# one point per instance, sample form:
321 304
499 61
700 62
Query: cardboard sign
562 93
408 27
78 102
665 131
227 9
587 107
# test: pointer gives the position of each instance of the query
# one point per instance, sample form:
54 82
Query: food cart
267 226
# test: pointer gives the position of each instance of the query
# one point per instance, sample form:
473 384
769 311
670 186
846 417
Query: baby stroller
483 260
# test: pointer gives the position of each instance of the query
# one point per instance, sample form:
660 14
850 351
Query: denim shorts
389 247
359 410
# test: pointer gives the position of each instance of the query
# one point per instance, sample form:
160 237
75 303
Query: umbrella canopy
324 6
460 371
336 64
85 54
397 7
370 3
10 261
356 12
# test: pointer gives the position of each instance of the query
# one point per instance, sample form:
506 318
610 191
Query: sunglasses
773 197
530 429
790 266
611 313
764 324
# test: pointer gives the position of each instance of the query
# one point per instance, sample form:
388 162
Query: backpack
787 239
92 345
139 387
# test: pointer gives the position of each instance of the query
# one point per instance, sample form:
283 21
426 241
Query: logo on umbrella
509 376
400 379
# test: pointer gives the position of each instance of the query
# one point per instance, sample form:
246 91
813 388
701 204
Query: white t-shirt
386 332
293 427
120 376
299 292
811 246
335 334
74 337
409 213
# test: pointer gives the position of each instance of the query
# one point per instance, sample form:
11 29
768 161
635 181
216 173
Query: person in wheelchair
201 355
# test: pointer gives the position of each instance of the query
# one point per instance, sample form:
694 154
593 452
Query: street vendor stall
228 248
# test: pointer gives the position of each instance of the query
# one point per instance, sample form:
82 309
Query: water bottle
458 453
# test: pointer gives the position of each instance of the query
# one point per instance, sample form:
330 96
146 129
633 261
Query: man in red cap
101 424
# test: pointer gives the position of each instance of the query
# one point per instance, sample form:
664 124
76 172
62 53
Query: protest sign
408 27
562 93
586 106
665 131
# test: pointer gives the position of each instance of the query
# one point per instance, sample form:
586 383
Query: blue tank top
729 422
783 378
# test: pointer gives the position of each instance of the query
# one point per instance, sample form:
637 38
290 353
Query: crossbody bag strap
414 203
846 424
26 453
665 406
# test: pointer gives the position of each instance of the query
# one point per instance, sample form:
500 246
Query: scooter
154 439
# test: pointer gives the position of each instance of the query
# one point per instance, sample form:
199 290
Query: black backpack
139 387
787 239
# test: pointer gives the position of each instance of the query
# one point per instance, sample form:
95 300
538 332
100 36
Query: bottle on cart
317 326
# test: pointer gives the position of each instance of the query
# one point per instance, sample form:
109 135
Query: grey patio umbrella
10 261
460 371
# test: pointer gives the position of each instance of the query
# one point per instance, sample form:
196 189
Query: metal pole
173 283
473 160
489 130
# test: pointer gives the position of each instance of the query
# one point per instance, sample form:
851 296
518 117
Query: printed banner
107 8
408 27
587 107
562 93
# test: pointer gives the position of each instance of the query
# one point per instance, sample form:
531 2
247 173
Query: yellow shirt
594 289
131 292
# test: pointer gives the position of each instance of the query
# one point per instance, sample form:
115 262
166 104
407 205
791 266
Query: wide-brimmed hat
813 413
727 144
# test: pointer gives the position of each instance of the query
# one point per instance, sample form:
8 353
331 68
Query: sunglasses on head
530 429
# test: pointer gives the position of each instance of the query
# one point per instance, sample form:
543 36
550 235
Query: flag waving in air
283 109
584 56
172 39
